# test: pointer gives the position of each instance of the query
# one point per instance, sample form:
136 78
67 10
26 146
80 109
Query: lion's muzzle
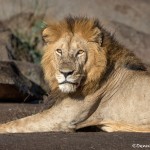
66 72
67 80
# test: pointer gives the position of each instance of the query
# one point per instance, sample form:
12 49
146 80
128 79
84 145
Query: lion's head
73 57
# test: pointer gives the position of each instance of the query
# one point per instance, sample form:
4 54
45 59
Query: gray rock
137 41
19 81
15 86
4 39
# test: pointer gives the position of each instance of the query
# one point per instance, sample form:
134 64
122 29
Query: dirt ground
75 141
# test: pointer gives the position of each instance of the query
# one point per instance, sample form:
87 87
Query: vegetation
27 45
26 28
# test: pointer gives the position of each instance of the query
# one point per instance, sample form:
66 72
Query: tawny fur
111 85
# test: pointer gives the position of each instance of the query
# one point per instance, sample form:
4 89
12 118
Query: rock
19 81
13 111
15 86
33 72
75 141
133 13
60 140
4 40
137 41
21 37
128 20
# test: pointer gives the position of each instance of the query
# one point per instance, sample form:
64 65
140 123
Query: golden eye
59 51
80 52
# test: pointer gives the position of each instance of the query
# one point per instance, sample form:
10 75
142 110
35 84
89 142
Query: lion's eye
80 52
59 51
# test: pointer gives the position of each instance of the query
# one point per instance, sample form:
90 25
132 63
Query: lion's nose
66 72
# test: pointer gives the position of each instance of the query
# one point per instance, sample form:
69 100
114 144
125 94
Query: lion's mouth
64 82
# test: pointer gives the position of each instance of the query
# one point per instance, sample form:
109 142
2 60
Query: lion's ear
51 34
45 35
98 35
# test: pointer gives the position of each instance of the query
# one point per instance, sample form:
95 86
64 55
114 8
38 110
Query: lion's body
94 80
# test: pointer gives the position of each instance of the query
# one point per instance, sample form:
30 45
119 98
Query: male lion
94 81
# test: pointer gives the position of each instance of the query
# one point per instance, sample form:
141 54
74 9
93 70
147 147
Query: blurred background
21 23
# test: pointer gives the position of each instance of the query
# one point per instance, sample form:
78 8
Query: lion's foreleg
58 118
54 119
61 117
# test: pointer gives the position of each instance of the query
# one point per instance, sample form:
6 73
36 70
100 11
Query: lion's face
70 57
